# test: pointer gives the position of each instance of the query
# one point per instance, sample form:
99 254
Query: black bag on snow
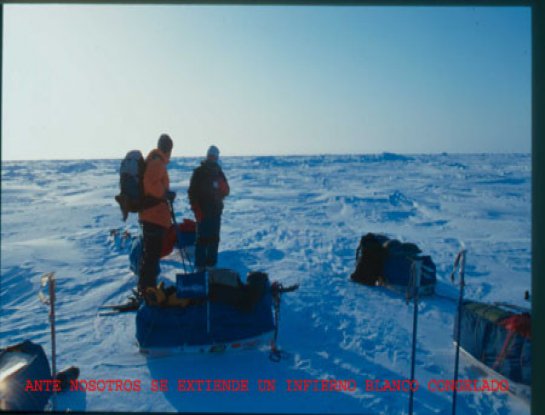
388 262
370 256
131 175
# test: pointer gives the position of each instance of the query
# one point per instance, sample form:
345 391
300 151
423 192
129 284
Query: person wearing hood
155 218
207 189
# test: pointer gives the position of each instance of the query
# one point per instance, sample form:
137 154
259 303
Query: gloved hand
170 195
223 188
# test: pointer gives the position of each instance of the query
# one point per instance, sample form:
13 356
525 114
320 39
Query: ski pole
459 265
416 271
49 279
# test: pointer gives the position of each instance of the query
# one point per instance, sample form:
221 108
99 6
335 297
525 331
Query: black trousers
208 239
151 254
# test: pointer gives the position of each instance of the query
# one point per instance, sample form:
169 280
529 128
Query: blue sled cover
207 323
498 337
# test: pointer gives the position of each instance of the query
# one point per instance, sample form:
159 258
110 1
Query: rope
504 350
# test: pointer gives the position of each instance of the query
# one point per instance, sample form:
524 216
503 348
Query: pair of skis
132 304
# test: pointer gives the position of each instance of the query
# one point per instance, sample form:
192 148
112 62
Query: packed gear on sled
226 287
388 262
164 297
216 311
498 336
26 382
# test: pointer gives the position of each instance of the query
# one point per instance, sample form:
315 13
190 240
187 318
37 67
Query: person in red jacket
155 219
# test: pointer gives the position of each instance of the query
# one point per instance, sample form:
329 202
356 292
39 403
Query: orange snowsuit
156 184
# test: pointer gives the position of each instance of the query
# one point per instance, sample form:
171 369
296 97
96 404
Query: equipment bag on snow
131 174
384 261
370 256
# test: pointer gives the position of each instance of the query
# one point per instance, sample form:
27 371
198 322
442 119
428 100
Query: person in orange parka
155 218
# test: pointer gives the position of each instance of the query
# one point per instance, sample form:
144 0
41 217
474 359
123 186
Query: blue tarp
397 271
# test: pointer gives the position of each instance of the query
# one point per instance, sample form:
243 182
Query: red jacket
156 184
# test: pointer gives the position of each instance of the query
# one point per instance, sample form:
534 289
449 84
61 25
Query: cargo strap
277 290
516 324
504 350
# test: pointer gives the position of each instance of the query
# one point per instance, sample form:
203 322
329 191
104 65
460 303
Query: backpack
131 184
370 257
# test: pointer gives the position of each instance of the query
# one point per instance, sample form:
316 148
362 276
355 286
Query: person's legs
201 244
213 241
151 254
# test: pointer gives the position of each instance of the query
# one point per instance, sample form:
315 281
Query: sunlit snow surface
300 220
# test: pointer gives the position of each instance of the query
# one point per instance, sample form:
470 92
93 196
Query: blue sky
96 81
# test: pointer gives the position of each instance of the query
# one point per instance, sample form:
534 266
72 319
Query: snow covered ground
300 220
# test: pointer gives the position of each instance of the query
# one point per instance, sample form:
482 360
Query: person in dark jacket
207 189
156 218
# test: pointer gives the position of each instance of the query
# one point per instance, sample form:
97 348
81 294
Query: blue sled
222 320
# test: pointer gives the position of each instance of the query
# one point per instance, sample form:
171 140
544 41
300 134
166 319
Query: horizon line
286 155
